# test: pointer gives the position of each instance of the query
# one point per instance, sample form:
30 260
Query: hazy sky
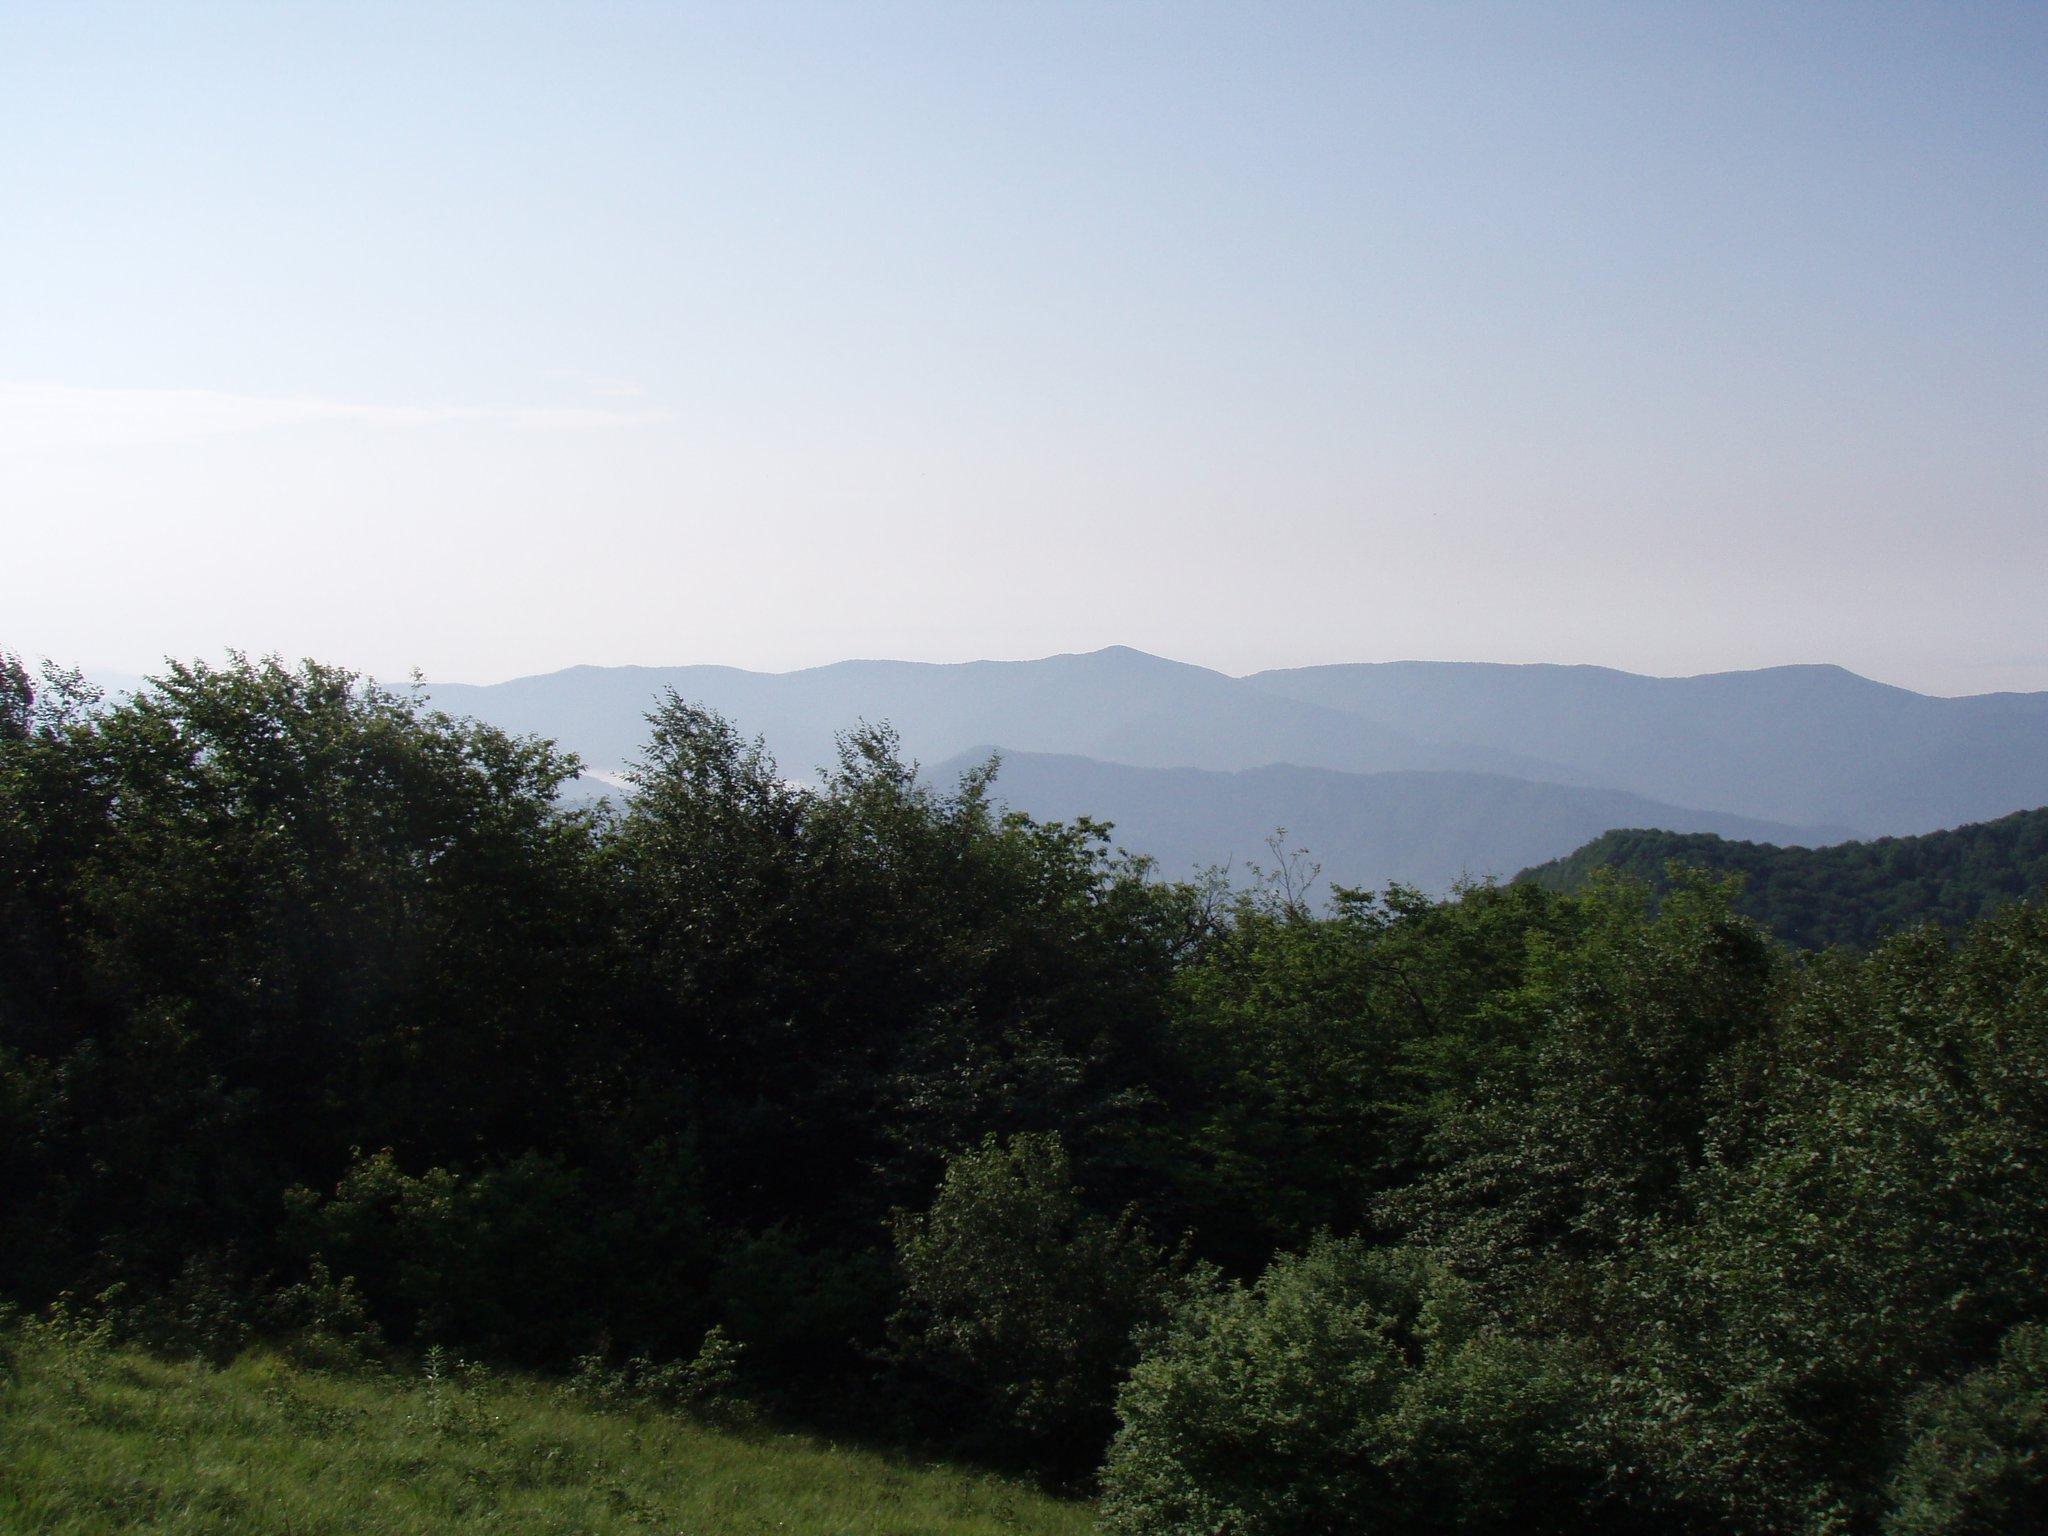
492 338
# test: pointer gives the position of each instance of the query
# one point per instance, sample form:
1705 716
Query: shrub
500 1259
1021 1299
205 1312
1978 1464
66 1342
704 1387
1349 1389
326 1320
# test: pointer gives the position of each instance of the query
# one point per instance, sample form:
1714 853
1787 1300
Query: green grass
95 1439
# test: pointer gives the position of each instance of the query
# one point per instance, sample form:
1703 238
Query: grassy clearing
95 1439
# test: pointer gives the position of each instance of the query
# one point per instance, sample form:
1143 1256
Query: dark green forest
1850 894
324 1020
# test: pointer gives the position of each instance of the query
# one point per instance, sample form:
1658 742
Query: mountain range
1417 771
1422 828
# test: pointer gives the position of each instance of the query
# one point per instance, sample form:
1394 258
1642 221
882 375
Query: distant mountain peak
1128 656
1812 745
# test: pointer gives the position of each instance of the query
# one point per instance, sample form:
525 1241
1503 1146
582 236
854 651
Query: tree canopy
1592 1209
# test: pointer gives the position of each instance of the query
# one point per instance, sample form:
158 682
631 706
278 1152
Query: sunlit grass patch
97 1439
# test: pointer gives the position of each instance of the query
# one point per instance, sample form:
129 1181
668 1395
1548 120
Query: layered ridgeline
1815 745
1854 893
1411 771
1363 830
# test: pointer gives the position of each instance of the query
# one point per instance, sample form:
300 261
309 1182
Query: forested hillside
1852 893
326 1027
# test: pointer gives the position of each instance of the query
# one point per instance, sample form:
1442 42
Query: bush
1022 1300
204 1312
326 1321
500 1259
1978 1464
705 1387
65 1342
1349 1389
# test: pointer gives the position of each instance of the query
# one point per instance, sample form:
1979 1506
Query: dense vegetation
323 1023
1849 894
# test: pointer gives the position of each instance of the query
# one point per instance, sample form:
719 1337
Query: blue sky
494 338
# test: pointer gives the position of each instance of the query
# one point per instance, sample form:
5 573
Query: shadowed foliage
335 1045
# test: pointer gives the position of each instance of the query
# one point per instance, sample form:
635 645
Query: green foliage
875 974
322 1022
254 916
1290 1033
1269 1408
17 699
706 1386
1850 894
1023 1300
1309 1052
708 1383
1497 1435
1881 1224
1576 1136
325 1321
206 1310
843 987
68 1341
1978 1461
501 1258
1350 1388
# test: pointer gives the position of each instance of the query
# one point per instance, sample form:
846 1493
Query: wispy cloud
41 417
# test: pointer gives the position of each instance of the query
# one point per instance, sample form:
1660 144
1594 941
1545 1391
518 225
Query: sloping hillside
1424 829
101 1441
1118 705
1853 893
1808 747
1811 744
